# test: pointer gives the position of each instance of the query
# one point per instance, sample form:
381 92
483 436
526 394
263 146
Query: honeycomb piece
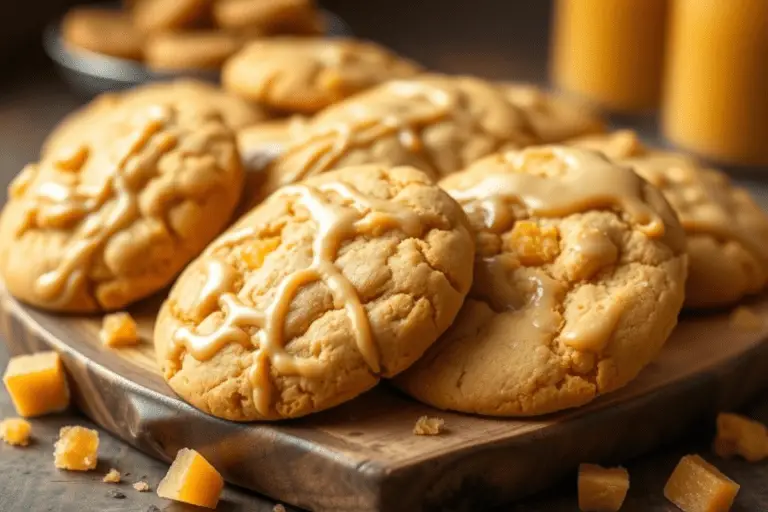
77 449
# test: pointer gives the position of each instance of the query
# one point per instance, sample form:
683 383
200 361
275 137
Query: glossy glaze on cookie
247 312
578 280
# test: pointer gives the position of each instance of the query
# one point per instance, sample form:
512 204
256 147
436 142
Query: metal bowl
91 73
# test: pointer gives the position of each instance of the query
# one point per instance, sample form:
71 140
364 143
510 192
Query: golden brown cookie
185 94
190 50
104 31
163 15
115 216
579 277
726 229
438 124
553 118
315 295
269 17
308 74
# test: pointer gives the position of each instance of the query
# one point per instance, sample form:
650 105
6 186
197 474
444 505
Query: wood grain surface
363 455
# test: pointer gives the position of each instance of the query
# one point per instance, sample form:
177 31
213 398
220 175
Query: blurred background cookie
269 17
104 31
156 15
305 75
191 50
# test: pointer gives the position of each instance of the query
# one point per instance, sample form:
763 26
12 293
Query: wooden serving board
364 456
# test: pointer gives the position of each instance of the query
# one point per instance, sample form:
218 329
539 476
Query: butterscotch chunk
698 486
534 245
119 330
77 449
744 319
602 489
15 431
113 477
191 479
37 384
141 486
426 426
278 508
738 435
254 253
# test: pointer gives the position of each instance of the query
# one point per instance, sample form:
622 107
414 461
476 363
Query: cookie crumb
15 431
745 319
278 508
141 486
739 435
113 477
116 494
119 330
426 426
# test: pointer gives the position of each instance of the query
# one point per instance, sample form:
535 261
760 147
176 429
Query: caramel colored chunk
738 435
37 384
426 426
255 252
698 486
77 449
533 244
119 330
113 477
141 486
602 489
278 508
191 479
15 431
745 319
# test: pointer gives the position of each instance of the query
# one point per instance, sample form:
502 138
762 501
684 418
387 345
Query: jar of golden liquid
716 88
610 52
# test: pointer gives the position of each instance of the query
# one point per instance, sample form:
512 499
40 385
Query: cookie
726 229
116 215
164 15
311 298
190 50
105 31
579 278
269 17
553 118
184 93
438 124
305 75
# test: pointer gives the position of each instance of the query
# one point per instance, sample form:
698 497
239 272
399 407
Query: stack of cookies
483 246
186 35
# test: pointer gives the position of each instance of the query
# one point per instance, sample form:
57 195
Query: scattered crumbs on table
113 477
426 426
116 494
141 486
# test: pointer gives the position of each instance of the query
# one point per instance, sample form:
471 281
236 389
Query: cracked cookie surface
579 277
726 229
118 213
184 94
305 75
436 123
312 297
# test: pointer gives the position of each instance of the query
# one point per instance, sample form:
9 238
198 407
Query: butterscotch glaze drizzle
360 127
591 182
56 202
358 214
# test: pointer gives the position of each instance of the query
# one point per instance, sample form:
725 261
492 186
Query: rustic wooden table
31 101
